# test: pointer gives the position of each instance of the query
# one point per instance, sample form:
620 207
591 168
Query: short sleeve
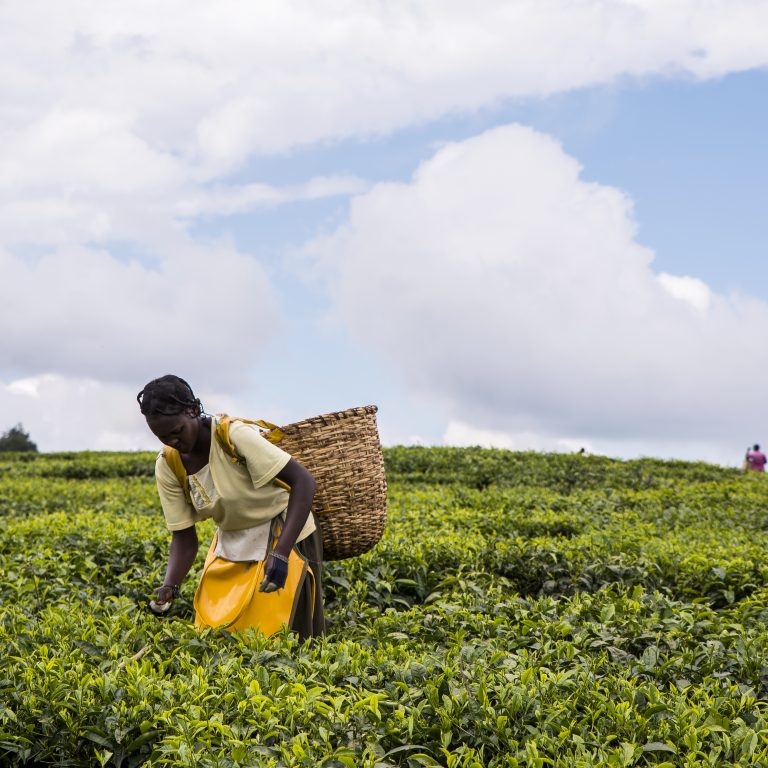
179 513
262 458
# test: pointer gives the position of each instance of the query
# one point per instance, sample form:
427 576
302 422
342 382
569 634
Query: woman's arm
181 556
299 504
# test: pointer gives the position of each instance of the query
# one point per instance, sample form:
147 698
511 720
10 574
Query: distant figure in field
755 459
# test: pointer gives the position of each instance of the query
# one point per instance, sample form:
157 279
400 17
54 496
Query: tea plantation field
522 610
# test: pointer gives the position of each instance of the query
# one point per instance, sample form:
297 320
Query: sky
530 224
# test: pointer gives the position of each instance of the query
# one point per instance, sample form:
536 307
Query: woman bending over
260 499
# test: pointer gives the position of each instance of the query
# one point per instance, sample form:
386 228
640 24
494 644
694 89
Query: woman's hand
180 558
299 503
164 597
275 573
166 593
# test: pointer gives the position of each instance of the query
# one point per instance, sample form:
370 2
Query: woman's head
168 396
172 411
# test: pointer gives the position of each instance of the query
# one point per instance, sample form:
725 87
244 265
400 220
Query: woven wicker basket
343 452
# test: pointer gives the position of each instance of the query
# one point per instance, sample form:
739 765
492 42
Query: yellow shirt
235 495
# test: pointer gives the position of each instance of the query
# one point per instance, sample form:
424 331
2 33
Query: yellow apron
228 594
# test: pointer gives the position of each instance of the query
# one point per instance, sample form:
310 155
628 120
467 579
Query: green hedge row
473 467
614 622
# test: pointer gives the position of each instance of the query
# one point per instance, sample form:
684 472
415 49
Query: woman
261 504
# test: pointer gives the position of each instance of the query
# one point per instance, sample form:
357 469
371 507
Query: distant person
755 459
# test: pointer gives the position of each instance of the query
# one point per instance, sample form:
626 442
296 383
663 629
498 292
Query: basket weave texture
343 452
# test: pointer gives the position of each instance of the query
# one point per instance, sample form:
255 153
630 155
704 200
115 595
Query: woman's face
179 431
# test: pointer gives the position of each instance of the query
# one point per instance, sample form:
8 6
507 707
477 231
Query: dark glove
275 573
164 597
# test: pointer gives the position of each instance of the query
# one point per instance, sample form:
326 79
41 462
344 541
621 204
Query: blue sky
533 225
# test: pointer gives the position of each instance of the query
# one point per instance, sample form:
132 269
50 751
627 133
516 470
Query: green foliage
522 610
78 466
483 467
16 439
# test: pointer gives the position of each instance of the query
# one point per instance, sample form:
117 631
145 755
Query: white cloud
27 387
68 414
80 312
149 102
689 289
121 118
120 121
725 453
460 434
225 201
500 281
65 414
215 82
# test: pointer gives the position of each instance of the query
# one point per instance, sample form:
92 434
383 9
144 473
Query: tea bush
521 610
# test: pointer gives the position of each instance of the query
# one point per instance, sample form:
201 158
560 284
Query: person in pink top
756 459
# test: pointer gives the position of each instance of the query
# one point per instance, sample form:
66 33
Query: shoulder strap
172 456
274 434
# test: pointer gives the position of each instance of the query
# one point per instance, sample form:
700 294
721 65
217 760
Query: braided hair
168 396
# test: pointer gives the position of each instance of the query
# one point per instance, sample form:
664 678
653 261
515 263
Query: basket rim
363 410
